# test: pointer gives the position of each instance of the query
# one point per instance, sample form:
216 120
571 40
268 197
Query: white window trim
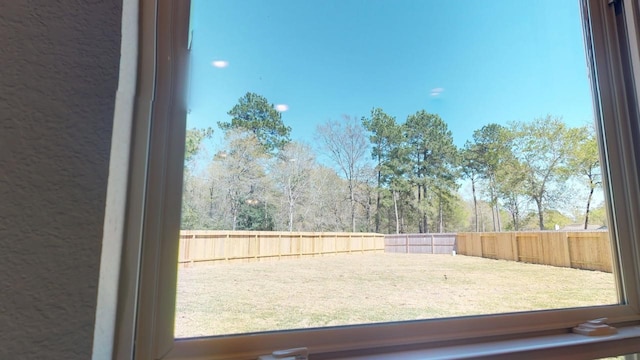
148 272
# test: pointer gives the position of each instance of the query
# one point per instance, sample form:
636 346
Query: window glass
353 162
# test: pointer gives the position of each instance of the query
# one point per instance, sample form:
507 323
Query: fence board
590 252
488 243
471 244
529 248
203 246
432 243
581 249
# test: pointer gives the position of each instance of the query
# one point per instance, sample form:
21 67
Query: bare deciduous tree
292 172
239 172
346 144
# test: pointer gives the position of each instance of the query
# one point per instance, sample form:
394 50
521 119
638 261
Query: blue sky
472 62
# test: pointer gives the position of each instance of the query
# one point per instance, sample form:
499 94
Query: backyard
352 289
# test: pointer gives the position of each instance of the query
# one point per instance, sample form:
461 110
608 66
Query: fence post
433 250
406 243
225 248
190 256
551 248
605 242
566 247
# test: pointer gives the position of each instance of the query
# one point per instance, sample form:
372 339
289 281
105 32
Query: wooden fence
444 243
581 249
207 246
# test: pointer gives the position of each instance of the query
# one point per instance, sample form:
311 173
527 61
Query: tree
543 148
192 214
195 203
433 158
386 137
492 148
585 161
256 215
193 142
255 114
397 171
239 173
598 215
470 169
292 172
510 189
327 206
345 144
454 215
366 196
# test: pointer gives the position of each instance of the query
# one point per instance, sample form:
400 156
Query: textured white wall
58 78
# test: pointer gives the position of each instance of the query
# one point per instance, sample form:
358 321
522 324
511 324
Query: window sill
562 346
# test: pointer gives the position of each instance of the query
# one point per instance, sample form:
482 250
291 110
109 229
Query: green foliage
431 143
386 136
239 174
598 216
529 163
387 151
555 217
260 180
433 158
193 214
491 151
584 156
552 218
491 147
255 114
193 141
584 162
543 147
470 161
455 215
256 216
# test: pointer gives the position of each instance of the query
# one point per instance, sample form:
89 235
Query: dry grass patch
353 289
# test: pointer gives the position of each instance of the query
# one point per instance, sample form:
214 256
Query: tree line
389 176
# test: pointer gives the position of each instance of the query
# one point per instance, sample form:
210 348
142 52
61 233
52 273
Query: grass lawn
352 289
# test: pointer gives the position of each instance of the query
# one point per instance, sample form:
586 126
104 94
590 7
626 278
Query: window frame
148 273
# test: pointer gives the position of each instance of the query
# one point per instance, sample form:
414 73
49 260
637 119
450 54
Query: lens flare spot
220 64
282 107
